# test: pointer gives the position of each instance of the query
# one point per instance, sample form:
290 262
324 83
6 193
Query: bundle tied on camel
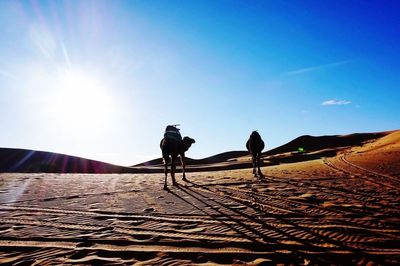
172 132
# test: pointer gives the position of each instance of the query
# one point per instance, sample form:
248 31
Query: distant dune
314 147
20 160
381 155
218 158
312 143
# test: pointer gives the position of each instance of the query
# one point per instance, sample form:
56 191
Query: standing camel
255 145
171 146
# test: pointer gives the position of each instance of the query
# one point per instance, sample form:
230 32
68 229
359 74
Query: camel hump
172 132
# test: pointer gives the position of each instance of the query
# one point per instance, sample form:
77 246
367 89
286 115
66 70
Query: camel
255 145
171 146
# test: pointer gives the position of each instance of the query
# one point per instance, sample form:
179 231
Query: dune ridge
23 160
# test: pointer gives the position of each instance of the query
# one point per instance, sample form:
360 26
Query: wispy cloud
335 102
316 68
65 53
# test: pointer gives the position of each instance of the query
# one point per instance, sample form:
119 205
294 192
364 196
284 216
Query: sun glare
80 100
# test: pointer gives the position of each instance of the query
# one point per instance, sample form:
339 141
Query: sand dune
218 158
312 143
31 161
315 147
337 210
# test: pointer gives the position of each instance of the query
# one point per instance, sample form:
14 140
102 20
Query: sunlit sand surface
338 210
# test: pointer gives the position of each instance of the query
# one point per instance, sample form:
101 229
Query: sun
80 99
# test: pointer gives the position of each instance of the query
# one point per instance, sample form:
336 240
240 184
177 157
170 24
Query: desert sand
338 204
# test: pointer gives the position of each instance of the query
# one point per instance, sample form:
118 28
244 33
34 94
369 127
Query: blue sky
102 79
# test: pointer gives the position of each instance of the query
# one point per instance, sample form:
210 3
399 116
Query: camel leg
183 168
260 174
173 170
253 157
165 172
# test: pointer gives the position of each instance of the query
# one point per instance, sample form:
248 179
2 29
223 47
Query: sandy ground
341 210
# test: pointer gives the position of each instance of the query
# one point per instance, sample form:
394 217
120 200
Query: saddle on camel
172 132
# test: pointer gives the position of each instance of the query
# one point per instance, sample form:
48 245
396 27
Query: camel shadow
264 234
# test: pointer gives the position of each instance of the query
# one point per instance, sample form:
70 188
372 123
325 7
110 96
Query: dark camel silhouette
255 145
171 146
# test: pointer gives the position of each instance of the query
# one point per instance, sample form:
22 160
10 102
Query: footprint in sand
238 207
137 222
5 229
188 228
193 230
85 244
148 210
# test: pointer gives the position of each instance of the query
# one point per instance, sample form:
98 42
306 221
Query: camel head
188 142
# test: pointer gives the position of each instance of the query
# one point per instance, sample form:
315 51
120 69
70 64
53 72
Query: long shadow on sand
307 246
252 239
71 196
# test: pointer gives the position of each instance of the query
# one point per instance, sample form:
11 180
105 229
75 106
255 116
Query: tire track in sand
343 166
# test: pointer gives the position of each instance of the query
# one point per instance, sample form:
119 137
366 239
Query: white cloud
335 102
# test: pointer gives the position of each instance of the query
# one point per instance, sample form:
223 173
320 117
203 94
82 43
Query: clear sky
102 79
